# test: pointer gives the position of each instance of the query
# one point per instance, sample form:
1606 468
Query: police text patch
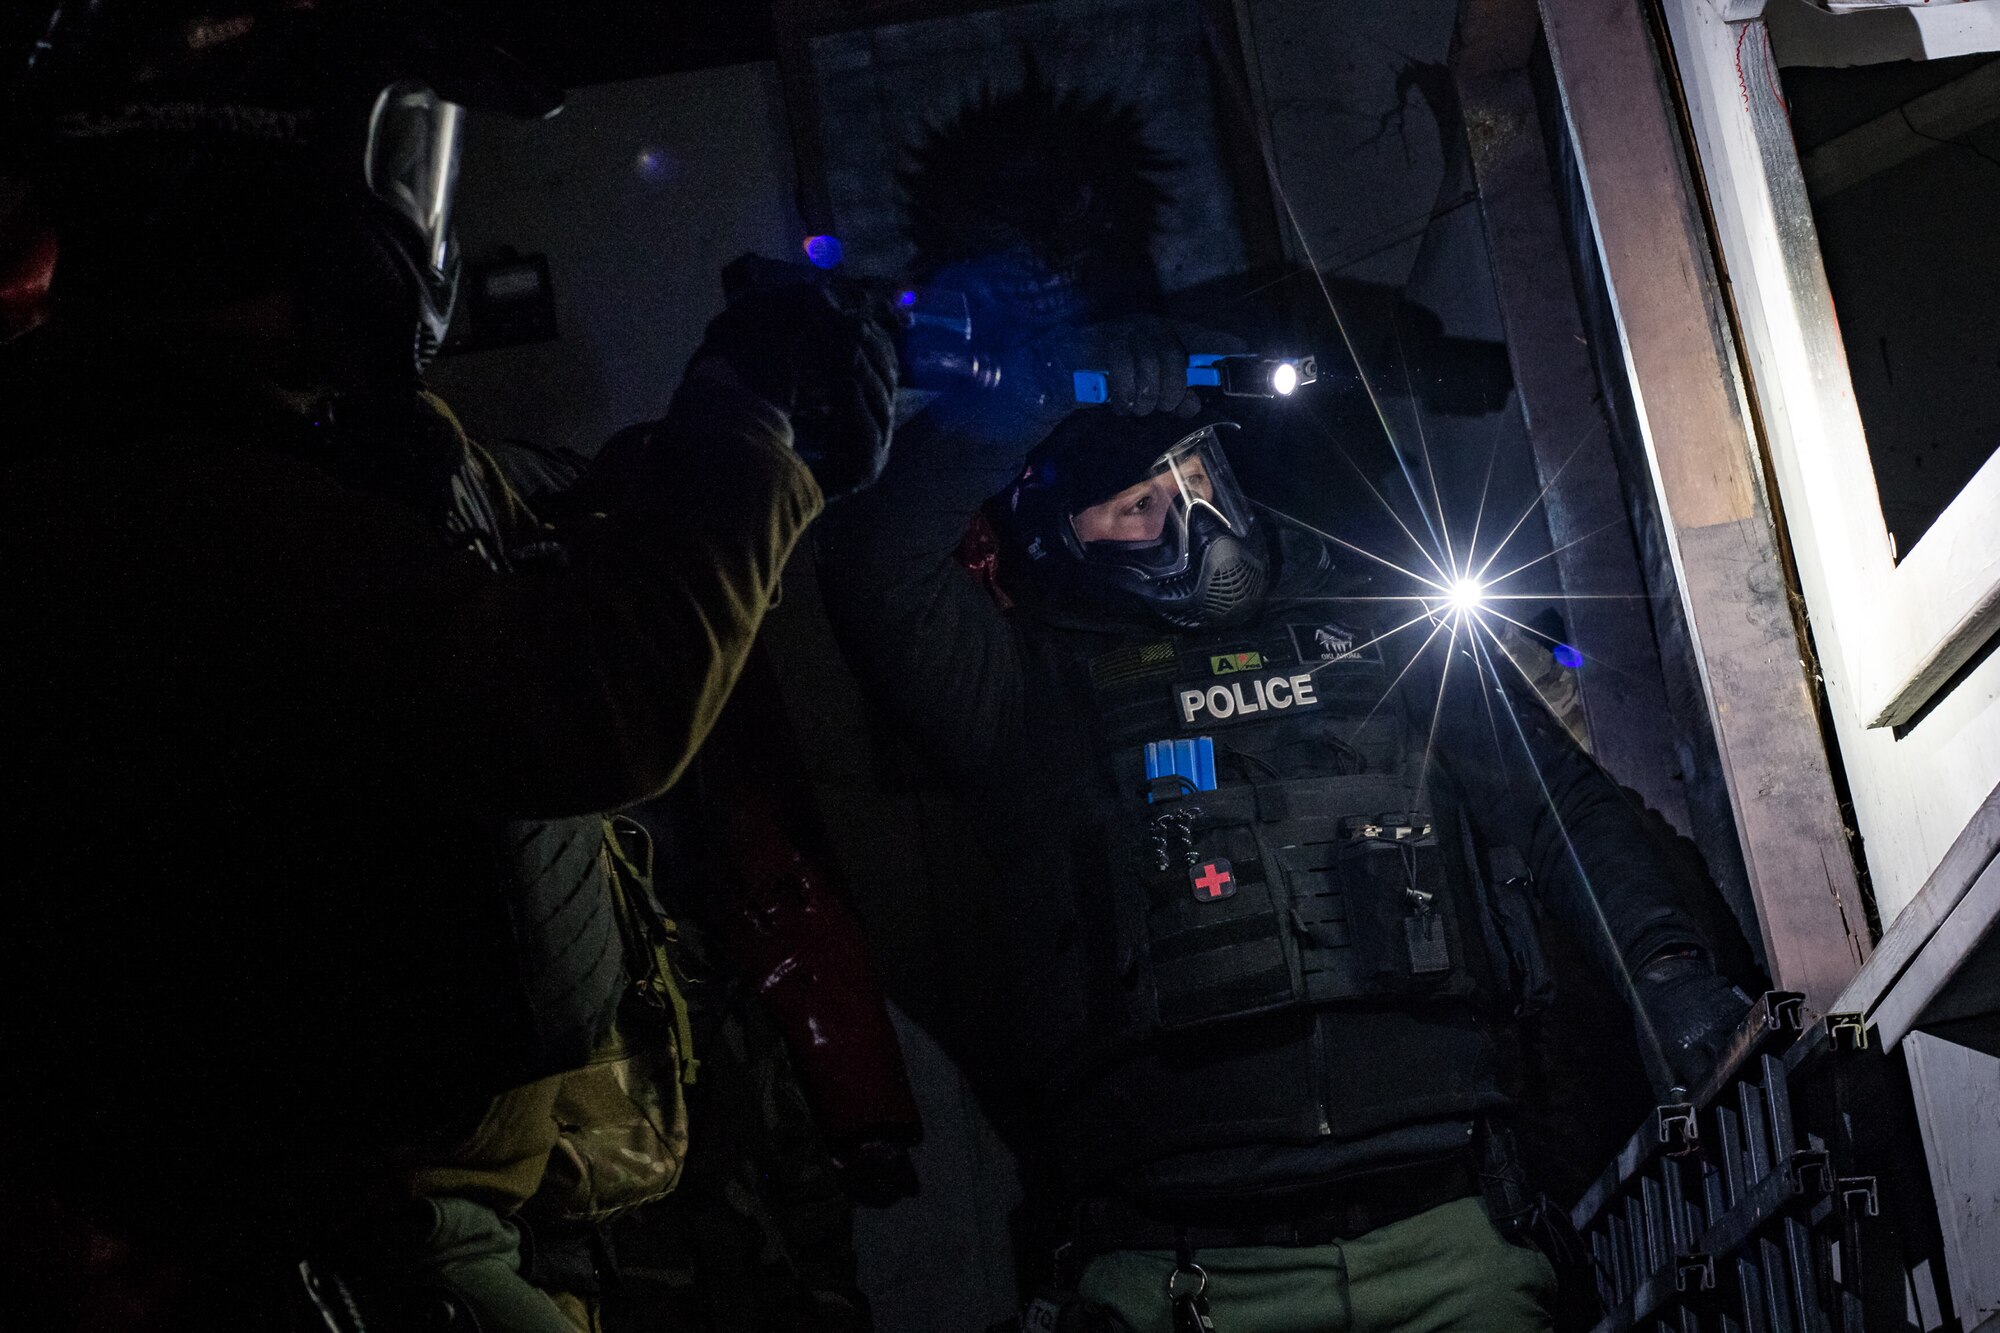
1243 699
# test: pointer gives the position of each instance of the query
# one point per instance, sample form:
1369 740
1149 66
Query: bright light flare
1466 595
1284 379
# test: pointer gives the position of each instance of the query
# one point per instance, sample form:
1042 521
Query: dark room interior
1044 664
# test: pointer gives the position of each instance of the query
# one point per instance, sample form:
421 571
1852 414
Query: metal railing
1788 1194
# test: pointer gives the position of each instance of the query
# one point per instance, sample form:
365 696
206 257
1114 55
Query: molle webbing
1339 904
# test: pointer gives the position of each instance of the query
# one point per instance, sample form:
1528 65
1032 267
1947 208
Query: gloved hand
1144 359
828 362
1693 1010
875 1172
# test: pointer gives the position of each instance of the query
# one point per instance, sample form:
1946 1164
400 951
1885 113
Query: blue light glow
656 165
1566 656
823 251
906 298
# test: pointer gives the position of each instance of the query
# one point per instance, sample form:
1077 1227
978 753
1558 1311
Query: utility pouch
622 1118
1525 1216
622 1125
1317 909
1399 916
1215 927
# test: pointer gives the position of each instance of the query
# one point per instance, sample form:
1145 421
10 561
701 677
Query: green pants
1446 1269
475 1255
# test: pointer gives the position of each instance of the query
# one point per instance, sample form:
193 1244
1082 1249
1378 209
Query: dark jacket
1038 719
295 705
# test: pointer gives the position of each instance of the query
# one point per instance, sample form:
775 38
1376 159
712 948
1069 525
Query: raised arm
1526 783
926 638
233 607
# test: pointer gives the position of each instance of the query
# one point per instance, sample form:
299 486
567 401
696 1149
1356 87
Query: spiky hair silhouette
1022 159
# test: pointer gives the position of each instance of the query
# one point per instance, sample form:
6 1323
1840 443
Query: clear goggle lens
414 139
1146 526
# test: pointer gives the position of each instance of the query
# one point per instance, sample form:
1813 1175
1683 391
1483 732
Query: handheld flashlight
1236 376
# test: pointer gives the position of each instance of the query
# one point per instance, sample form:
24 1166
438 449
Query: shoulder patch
1228 664
1133 664
1330 641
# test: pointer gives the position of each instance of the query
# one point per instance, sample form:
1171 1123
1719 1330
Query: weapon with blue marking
1237 376
932 326
934 332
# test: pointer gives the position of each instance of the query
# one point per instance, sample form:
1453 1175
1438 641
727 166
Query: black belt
1343 1212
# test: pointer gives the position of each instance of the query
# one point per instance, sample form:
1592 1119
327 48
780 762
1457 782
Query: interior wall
1338 86
639 193
1373 186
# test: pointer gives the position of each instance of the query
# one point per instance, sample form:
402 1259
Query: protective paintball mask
1179 540
410 166
1105 516
200 153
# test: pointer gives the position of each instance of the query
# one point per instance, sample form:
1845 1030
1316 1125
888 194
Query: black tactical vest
1299 956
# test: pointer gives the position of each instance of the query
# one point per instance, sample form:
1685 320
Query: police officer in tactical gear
311 720
1265 1014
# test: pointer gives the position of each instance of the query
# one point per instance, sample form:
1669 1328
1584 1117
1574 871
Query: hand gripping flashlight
1236 376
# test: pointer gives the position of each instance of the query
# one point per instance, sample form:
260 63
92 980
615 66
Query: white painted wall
1956 1085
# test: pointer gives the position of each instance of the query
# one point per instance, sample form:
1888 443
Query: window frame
1906 627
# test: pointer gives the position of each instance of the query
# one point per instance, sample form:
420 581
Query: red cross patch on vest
1212 881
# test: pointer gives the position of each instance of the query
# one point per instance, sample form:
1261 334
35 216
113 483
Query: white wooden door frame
1887 635
1908 625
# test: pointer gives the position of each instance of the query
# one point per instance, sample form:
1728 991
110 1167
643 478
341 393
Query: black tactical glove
1693 1010
827 361
876 1173
1144 359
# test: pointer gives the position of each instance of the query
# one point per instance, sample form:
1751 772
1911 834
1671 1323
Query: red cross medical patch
1212 881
